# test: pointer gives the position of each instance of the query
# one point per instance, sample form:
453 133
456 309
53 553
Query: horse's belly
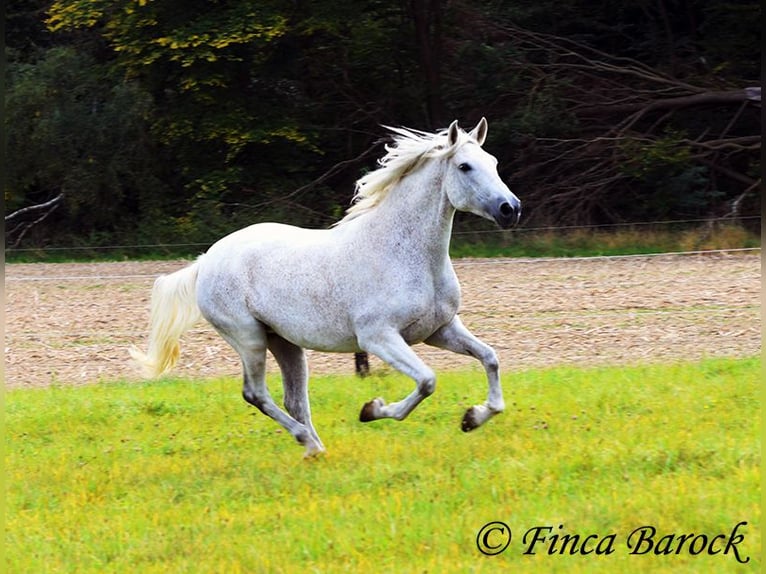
332 324
424 325
325 336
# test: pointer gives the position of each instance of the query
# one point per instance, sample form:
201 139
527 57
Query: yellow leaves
288 133
177 43
190 84
165 42
64 15
187 46
135 29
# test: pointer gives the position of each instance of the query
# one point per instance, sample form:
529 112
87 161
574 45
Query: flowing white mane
409 150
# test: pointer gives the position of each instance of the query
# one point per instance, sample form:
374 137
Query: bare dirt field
73 323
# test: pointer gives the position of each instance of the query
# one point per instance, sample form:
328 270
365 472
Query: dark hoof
469 421
368 412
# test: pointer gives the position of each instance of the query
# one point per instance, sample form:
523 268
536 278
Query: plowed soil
73 323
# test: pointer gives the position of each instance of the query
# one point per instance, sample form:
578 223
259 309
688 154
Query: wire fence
466 262
181 246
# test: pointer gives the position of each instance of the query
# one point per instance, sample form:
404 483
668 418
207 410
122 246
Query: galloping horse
379 280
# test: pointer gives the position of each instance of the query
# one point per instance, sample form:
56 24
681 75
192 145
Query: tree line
153 121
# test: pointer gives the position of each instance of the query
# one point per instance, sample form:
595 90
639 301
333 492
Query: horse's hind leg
251 346
295 376
454 336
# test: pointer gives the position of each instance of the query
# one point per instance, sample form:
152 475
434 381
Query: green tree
585 96
72 130
251 97
211 114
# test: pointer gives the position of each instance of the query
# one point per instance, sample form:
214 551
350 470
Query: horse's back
317 288
261 237
284 277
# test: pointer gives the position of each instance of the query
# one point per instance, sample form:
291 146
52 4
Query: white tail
174 311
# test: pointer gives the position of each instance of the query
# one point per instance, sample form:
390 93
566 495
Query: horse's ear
479 133
452 133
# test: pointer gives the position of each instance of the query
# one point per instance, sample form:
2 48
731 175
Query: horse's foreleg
391 348
295 376
454 336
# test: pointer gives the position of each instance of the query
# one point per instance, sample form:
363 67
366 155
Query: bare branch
700 99
736 202
740 143
337 168
32 208
625 119
27 226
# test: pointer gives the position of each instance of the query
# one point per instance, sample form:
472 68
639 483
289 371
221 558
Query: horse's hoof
313 453
471 420
370 410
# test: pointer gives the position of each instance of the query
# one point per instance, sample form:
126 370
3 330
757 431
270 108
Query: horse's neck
415 217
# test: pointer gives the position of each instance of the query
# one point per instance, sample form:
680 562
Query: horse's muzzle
508 213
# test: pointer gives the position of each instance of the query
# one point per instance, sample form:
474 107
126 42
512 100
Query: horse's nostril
508 214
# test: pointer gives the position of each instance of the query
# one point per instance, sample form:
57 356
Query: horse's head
471 179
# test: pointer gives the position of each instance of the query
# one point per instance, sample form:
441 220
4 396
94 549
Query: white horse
379 281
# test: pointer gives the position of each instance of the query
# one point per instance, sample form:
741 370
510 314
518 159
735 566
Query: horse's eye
464 167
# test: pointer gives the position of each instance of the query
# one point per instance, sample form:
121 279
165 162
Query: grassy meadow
588 242
182 476
484 241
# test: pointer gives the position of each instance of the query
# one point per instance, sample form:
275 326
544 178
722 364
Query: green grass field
183 476
485 241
